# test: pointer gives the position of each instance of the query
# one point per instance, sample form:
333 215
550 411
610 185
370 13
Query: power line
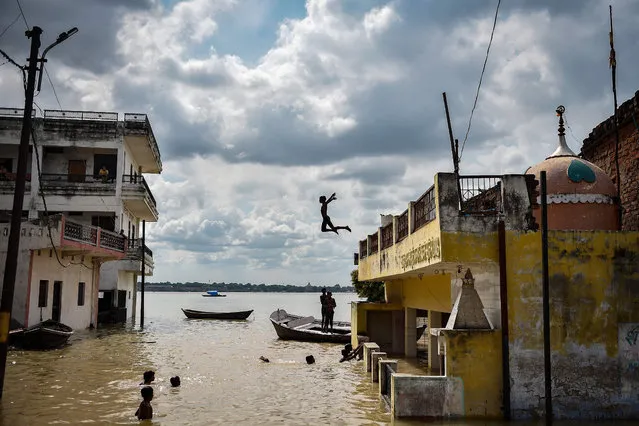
9 26
52 86
24 18
11 61
481 77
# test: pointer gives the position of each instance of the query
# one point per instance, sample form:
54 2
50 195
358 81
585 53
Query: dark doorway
108 160
56 307
121 298
77 170
104 222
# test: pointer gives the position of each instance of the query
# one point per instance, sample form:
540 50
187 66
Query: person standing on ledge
330 310
327 225
324 302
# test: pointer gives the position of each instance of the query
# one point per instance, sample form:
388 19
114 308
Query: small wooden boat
213 293
45 335
241 315
309 329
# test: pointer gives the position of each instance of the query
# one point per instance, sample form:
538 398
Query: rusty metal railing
424 209
481 194
374 242
387 236
363 249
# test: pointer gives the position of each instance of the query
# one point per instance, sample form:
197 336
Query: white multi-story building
91 263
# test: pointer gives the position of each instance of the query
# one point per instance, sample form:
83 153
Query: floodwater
96 379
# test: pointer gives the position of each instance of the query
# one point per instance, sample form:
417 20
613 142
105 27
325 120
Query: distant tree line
239 287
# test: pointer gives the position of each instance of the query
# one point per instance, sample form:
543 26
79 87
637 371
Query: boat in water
45 335
240 315
309 329
213 293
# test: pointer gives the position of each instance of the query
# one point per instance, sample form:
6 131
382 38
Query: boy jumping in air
327 225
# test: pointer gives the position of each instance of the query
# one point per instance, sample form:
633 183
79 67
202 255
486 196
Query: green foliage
373 291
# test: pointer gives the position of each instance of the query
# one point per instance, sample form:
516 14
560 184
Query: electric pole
13 247
11 264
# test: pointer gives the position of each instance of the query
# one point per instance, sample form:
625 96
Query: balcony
81 125
133 260
137 197
141 140
71 238
76 184
436 232
8 183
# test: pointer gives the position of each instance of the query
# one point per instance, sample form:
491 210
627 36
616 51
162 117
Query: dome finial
563 150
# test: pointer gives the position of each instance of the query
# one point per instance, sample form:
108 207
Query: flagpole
613 66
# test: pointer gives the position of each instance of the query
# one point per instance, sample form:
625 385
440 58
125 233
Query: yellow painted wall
466 247
475 357
418 250
432 292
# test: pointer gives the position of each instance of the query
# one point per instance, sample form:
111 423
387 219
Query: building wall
46 267
594 291
599 148
481 373
19 308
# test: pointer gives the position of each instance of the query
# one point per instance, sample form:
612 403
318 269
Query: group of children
145 410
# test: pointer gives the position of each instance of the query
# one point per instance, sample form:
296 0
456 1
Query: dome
580 195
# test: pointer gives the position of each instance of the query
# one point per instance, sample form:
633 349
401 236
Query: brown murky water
96 379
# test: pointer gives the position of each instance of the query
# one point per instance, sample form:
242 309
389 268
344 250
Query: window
81 294
43 296
129 294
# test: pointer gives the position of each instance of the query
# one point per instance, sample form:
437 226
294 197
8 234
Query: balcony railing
51 114
402 226
63 179
134 246
363 249
387 236
424 208
139 123
480 194
14 112
374 242
93 236
141 182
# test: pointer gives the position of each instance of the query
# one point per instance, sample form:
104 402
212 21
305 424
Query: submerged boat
213 293
309 329
45 335
240 315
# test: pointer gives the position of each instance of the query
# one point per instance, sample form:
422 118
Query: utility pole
11 264
454 148
613 68
546 298
143 273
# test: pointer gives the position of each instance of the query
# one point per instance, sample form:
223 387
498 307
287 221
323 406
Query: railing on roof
481 194
402 226
140 123
14 112
374 242
387 236
53 114
424 208
363 249
93 235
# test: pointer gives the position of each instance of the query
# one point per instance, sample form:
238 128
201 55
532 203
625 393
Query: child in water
145 411
175 381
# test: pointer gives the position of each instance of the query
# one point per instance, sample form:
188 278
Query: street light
62 37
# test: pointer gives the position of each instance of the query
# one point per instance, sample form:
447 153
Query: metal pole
143 274
613 66
454 148
11 264
503 295
546 296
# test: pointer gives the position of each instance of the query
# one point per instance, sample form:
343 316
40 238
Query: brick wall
599 148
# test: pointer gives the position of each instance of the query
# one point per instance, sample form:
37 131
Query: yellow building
469 252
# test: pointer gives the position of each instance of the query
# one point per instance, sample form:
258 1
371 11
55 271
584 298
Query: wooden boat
45 335
241 315
309 329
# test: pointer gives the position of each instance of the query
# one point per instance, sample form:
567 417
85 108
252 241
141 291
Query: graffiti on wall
629 358
429 252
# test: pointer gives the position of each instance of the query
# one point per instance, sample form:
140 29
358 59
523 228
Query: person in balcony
327 225
104 174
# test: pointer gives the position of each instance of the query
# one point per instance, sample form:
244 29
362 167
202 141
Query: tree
373 291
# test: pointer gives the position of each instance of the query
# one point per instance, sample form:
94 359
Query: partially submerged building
81 253
469 252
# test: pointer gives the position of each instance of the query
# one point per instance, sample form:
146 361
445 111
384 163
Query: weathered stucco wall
594 291
480 373
426 397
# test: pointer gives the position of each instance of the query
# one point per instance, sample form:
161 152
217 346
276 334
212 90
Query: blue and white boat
213 293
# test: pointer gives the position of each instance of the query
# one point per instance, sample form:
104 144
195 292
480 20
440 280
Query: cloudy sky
260 106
